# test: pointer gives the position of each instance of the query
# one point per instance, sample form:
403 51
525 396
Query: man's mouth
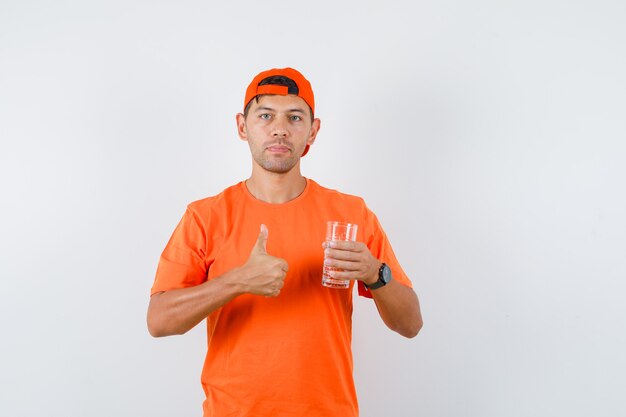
278 148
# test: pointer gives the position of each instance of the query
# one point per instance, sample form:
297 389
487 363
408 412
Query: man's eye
265 116
295 118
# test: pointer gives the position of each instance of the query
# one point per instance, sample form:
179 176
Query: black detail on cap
292 87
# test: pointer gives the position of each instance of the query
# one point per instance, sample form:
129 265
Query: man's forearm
399 308
178 311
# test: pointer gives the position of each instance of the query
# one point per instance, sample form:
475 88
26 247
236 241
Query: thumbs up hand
263 274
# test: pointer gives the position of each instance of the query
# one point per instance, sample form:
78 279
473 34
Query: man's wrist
384 277
233 281
369 281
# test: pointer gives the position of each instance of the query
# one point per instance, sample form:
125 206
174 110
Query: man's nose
279 129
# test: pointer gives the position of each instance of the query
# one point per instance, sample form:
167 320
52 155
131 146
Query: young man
249 260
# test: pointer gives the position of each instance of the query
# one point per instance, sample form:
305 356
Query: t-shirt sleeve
182 263
378 244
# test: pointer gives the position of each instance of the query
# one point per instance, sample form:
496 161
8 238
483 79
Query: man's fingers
261 241
284 265
350 275
343 255
273 293
344 265
343 245
274 289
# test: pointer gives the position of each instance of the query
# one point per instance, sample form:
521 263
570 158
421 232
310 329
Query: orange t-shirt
284 356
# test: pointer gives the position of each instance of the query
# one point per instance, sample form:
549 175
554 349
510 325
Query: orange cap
304 88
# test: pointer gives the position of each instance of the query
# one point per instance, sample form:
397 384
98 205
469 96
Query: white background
488 136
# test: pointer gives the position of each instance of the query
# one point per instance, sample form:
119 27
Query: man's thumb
261 242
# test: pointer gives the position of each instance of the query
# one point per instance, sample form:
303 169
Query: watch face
386 275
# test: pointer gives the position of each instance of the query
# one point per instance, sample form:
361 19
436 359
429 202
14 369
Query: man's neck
276 188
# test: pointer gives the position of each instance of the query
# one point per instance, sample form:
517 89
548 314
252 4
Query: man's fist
263 274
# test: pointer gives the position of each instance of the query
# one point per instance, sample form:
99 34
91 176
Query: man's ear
315 128
241 126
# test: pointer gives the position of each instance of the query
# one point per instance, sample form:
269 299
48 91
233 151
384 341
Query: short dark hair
292 88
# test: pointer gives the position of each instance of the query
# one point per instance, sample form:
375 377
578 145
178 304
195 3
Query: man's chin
278 167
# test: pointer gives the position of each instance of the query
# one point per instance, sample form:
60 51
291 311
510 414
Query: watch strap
381 282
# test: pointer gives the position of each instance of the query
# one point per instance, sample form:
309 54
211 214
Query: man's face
277 129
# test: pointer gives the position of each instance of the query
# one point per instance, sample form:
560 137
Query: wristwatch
384 276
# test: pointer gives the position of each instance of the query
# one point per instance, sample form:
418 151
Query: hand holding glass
343 232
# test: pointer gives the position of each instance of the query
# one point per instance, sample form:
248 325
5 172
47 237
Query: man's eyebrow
294 110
